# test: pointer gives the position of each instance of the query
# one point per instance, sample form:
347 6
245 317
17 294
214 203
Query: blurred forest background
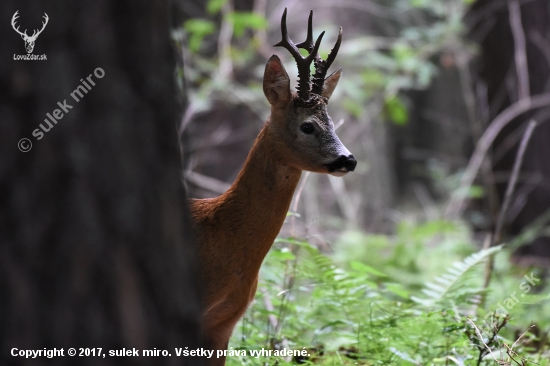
423 80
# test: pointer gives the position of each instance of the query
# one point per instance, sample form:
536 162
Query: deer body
235 231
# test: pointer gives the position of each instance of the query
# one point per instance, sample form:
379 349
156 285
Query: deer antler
15 16
302 62
321 66
308 43
43 26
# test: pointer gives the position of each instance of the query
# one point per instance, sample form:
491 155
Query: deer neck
260 197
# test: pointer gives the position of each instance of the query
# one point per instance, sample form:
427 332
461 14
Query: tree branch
507 199
456 204
520 55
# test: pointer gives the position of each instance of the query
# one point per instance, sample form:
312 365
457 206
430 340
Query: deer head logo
29 40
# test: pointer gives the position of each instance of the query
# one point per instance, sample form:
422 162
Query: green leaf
449 283
246 20
283 255
199 26
403 52
396 110
198 29
353 107
397 289
403 355
418 3
214 6
363 268
372 78
453 327
470 192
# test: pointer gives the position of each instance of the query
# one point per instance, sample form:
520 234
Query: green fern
404 356
451 283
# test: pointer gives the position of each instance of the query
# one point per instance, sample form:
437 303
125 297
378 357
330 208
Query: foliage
408 298
198 29
246 20
452 283
387 64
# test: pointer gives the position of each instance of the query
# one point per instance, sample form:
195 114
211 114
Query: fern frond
403 355
450 282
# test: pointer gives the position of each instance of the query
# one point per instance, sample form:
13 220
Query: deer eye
307 128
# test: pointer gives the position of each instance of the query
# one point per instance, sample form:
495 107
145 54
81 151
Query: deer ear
330 83
276 83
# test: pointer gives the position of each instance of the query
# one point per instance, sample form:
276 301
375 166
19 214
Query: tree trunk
94 234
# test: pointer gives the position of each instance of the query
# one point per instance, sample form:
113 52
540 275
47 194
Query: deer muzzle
343 165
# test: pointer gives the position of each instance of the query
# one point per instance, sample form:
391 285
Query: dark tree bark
94 234
491 25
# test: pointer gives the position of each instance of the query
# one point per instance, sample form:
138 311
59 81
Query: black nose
343 162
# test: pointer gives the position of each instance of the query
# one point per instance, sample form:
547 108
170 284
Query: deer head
29 40
304 130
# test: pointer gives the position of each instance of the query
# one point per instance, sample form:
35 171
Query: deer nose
343 163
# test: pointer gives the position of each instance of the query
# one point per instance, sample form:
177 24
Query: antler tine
286 42
321 66
46 18
308 43
13 19
334 51
303 63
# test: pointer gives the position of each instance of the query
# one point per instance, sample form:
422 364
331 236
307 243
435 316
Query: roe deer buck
236 230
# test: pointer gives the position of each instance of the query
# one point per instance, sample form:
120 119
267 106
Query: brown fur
235 233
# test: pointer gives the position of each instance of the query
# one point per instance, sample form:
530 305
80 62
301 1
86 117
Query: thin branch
368 7
269 307
225 68
456 204
509 352
187 117
426 201
521 336
513 179
294 207
487 11
348 205
480 337
476 126
260 8
520 55
507 199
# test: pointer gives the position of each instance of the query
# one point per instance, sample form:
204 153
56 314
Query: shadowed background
94 236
